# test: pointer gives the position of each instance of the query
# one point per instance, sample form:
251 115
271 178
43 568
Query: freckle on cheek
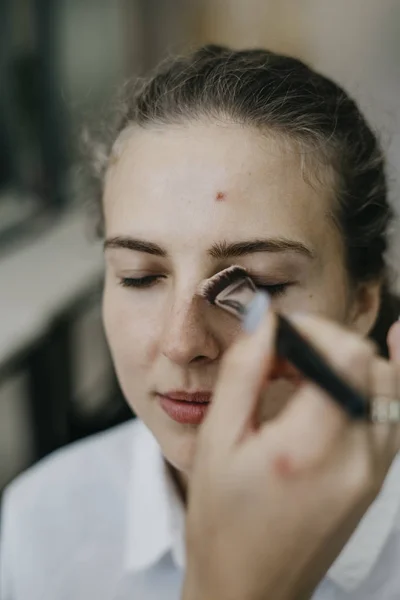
220 196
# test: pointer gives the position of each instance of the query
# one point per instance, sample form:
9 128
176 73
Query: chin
179 447
177 442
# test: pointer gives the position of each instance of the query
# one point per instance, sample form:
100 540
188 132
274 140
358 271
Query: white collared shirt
102 520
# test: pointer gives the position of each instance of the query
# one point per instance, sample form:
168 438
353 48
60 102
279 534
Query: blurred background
61 63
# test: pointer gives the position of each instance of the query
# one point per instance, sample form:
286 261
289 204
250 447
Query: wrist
206 588
201 588
196 588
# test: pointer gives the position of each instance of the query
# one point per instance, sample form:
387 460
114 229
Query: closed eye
275 289
140 282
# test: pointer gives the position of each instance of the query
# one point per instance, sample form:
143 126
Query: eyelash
140 282
275 290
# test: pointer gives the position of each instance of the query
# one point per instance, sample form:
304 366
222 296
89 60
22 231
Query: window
32 147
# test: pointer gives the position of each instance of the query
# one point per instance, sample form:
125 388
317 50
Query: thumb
393 342
242 376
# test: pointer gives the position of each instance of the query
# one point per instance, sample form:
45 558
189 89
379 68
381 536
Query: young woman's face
182 203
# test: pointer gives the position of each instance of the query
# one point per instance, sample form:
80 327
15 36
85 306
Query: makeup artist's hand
393 342
270 508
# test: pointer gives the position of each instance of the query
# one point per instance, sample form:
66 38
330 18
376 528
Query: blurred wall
91 53
356 42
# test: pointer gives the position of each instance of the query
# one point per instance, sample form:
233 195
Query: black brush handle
292 346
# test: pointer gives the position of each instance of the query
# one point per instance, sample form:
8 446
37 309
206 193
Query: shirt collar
155 511
155 523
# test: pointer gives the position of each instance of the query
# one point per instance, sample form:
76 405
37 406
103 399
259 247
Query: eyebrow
222 250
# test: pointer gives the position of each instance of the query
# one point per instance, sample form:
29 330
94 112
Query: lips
188 408
189 396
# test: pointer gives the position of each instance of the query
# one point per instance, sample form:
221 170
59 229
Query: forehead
209 180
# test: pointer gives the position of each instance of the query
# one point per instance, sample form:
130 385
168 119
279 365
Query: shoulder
76 467
66 510
70 485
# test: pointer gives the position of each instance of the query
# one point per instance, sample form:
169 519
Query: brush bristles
210 288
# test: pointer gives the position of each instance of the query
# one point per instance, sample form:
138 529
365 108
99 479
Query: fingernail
255 311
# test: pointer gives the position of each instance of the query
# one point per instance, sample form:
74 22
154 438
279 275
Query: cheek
326 294
330 296
131 332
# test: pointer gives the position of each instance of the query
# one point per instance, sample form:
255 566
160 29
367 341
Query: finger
344 350
243 372
306 430
312 422
385 383
383 378
393 341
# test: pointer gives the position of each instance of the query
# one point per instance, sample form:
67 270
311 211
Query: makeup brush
233 290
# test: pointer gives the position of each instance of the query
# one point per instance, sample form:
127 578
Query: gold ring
384 410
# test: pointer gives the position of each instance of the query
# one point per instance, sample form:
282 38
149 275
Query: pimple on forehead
219 196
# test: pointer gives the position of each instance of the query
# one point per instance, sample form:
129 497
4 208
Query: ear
365 307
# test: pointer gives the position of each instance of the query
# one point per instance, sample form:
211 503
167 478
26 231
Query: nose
186 337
